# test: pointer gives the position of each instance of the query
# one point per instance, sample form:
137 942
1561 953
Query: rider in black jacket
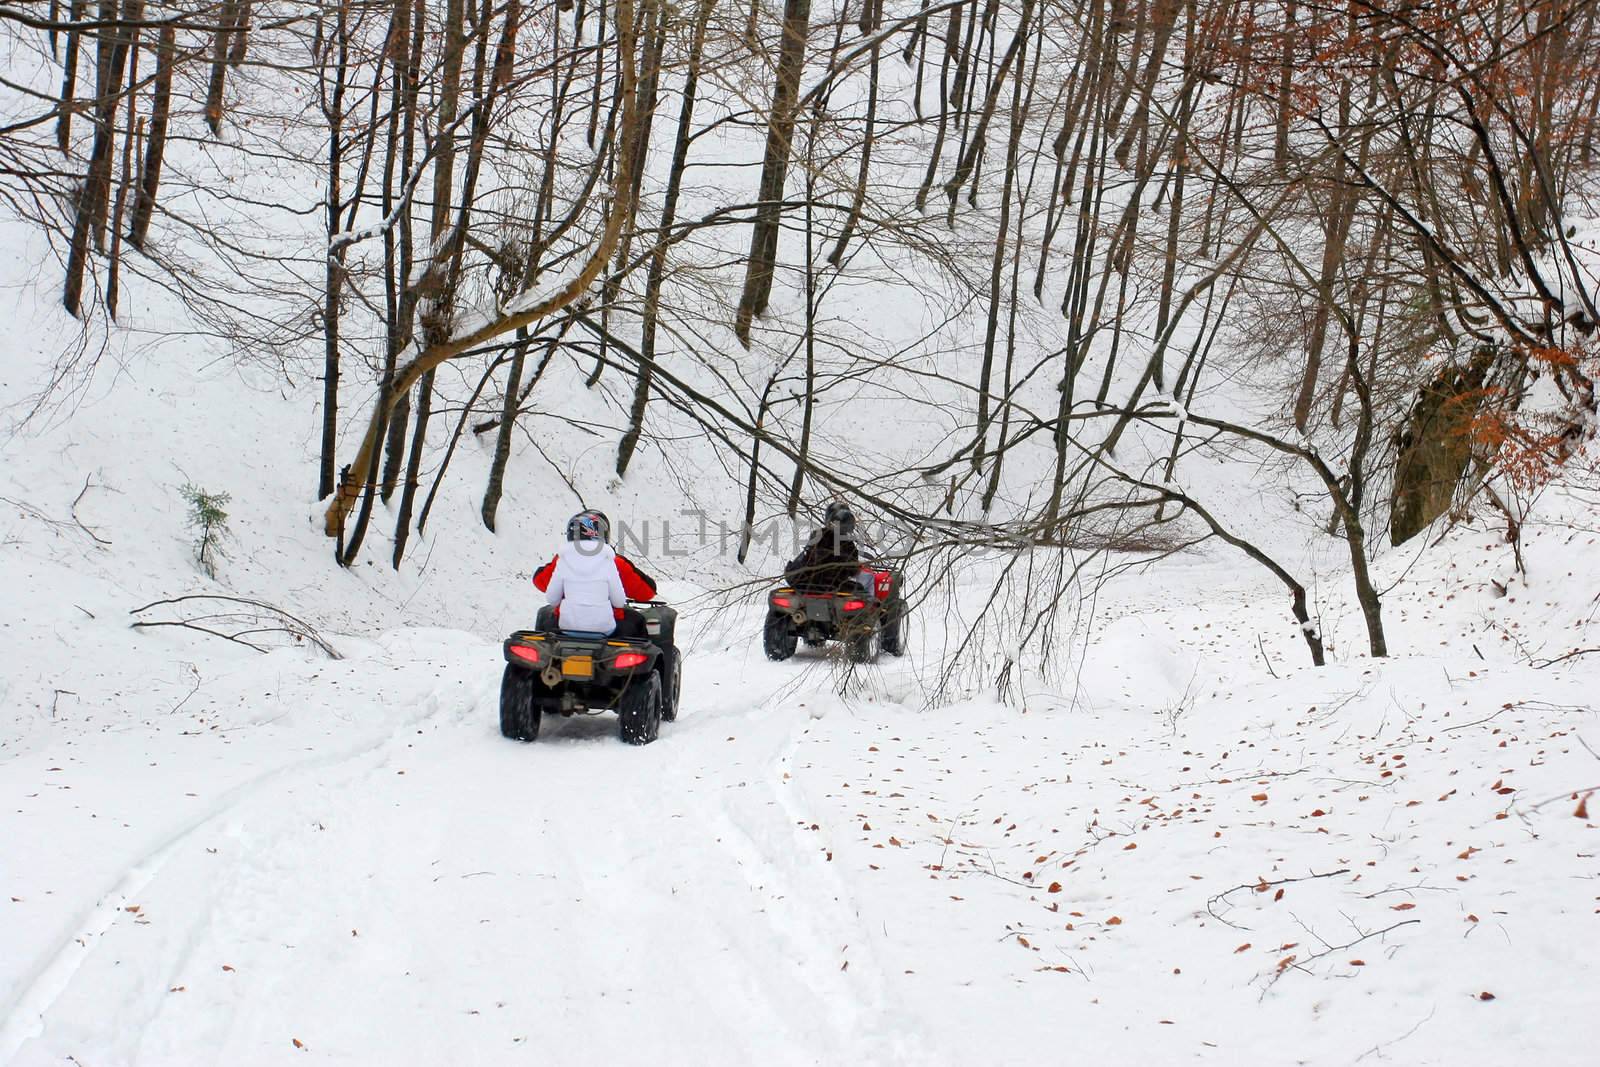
831 558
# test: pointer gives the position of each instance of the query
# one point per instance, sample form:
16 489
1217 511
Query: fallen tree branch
256 617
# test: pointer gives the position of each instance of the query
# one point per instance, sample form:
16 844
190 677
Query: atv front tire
893 640
640 710
519 713
672 683
778 638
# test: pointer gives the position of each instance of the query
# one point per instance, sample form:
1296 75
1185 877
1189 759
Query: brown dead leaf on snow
1055 887
228 967
1467 855
1115 920
1407 906
1259 796
1358 963
1277 896
297 1042
1129 845
1486 995
1583 807
1241 948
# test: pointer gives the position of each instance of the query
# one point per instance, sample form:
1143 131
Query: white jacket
587 586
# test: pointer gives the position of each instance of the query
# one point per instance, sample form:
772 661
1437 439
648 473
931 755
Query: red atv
550 671
867 617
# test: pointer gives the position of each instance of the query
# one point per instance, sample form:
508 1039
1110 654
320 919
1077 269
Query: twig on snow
1301 965
1262 645
1260 886
74 512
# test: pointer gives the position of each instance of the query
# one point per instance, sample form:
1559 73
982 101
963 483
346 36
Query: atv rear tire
893 640
640 710
778 638
671 682
863 646
519 713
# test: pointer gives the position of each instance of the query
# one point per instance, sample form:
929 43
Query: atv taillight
625 660
783 601
853 605
525 652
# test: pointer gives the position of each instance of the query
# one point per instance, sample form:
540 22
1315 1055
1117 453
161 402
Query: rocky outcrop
1434 446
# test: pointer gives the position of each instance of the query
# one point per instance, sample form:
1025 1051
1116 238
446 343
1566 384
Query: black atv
554 672
866 621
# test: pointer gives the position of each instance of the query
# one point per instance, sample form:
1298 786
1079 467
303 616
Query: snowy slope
345 854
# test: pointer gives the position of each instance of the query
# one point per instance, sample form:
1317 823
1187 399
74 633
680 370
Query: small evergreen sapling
207 515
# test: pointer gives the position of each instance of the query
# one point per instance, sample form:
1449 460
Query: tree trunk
774 166
792 505
156 147
69 78
658 257
227 19
1002 235
93 200
859 197
502 442
436 306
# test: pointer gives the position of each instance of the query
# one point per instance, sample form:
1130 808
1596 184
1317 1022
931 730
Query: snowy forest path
482 895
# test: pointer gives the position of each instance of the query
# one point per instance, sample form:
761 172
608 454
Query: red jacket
636 584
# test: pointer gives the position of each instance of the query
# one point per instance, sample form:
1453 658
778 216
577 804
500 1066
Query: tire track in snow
24 1020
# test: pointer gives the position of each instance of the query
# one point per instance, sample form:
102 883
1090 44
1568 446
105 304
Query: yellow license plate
578 667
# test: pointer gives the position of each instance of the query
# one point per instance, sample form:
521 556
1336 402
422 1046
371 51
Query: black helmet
840 518
586 526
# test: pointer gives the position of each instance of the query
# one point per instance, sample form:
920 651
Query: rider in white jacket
586 585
